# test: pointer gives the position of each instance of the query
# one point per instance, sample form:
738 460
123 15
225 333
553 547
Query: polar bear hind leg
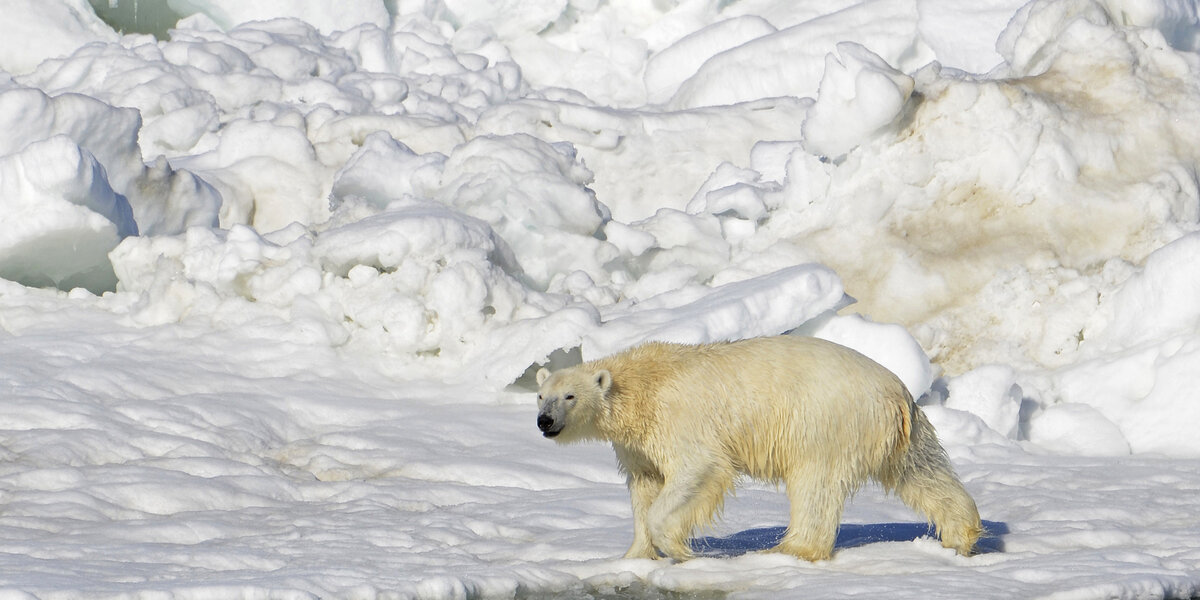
816 500
924 479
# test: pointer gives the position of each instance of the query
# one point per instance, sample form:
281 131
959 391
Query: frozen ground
270 288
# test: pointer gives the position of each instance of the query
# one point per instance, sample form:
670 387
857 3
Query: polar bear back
764 403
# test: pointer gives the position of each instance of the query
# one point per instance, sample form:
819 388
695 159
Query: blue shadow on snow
849 536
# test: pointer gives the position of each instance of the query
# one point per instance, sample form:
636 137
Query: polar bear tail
924 479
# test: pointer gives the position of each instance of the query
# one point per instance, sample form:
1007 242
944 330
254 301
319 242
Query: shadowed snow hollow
73 185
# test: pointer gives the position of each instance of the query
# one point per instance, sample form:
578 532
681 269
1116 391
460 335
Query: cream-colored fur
686 420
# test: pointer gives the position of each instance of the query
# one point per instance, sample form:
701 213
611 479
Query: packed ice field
273 285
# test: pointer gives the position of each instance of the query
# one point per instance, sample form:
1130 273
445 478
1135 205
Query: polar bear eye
569 396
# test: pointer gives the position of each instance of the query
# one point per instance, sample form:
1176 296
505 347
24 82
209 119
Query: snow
272 289
859 95
47 30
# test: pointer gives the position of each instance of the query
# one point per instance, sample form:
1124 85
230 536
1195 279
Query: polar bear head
569 402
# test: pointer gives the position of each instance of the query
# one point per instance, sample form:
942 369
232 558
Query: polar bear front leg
689 498
643 489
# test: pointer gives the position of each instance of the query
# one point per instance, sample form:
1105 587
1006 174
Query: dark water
137 16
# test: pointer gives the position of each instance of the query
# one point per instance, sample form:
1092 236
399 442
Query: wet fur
687 420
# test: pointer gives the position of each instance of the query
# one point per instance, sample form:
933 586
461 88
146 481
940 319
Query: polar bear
686 420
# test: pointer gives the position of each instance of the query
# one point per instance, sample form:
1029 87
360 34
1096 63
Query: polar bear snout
545 423
551 417
566 405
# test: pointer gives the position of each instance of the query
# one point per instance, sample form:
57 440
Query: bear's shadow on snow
849 536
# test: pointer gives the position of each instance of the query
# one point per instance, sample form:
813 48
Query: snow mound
859 95
61 217
790 61
74 185
47 30
668 69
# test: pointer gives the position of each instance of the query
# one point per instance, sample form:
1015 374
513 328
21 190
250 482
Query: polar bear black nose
545 422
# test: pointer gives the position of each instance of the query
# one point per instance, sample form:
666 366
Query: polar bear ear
603 380
542 374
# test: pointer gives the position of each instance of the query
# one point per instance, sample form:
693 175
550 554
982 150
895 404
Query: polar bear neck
630 409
